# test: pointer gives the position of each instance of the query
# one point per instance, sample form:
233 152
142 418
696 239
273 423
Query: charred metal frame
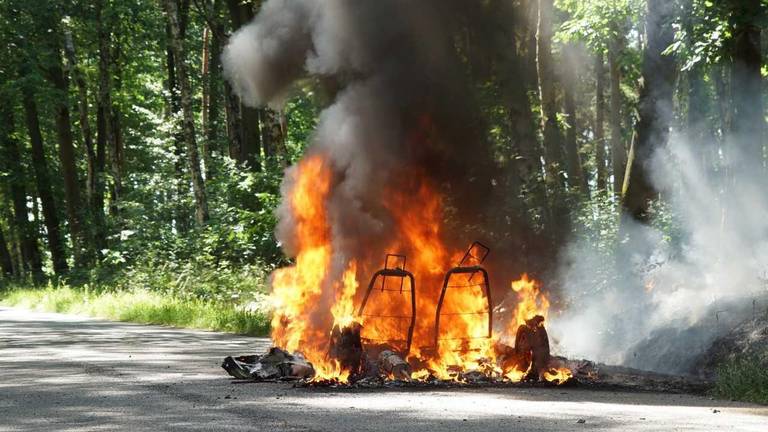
401 273
472 270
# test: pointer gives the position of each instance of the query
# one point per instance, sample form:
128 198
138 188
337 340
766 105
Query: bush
744 379
141 306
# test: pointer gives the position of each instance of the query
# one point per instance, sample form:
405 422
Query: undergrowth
744 379
228 301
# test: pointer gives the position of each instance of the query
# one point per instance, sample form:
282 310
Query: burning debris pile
367 350
400 162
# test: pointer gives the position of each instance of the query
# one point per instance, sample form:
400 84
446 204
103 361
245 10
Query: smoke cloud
403 113
678 294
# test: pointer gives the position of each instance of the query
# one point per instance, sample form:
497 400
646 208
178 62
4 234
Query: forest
128 163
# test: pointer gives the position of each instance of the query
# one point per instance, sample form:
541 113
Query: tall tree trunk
618 151
550 128
43 181
240 13
576 177
600 160
748 122
527 153
531 24
6 262
234 123
655 107
272 134
174 107
250 137
117 150
188 123
282 148
97 211
699 133
212 136
30 251
107 138
67 160
82 105
204 111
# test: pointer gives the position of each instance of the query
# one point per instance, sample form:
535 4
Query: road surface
68 373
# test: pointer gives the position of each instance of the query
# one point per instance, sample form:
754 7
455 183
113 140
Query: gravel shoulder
69 373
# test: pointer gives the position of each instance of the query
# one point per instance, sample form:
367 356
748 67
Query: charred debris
367 363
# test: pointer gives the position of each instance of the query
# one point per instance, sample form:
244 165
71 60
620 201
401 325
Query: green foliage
598 226
141 306
703 34
598 22
744 379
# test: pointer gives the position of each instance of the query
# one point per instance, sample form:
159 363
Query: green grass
743 379
140 306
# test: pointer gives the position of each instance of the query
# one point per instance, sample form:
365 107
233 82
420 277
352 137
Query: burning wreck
400 164
431 325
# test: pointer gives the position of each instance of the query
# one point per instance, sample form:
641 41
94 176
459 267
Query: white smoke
263 58
673 301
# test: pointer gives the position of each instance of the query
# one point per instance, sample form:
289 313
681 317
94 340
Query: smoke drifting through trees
665 309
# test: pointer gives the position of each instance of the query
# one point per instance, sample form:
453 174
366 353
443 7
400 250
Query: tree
107 135
188 122
31 259
6 264
576 177
241 12
748 122
618 150
43 181
96 207
55 73
655 108
600 165
604 26
549 124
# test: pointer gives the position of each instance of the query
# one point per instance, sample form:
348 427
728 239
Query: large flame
311 297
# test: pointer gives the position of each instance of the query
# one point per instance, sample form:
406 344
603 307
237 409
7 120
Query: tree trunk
699 132
30 251
188 123
204 109
576 177
527 153
117 151
214 91
530 67
6 262
272 135
748 121
67 161
240 13
233 123
82 105
97 211
42 178
550 127
655 107
250 137
618 151
600 161
108 141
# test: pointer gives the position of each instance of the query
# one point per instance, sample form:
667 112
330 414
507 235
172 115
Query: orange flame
559 375
309 298
531 302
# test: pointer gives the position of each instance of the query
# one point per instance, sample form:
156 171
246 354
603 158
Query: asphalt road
66 373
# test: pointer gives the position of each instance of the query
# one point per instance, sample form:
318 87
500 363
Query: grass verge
744 379
140 306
